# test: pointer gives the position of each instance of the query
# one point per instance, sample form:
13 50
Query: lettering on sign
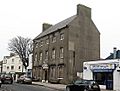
102 66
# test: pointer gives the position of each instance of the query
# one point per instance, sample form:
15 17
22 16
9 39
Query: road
24 87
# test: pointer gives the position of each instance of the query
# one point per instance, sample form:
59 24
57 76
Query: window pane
61 52
12 67
40 55
53 54
53 39
46 55
62 36
47 41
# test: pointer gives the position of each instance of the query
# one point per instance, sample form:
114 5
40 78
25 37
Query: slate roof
117 55
57 26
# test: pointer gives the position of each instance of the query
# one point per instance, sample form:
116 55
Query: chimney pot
114 52
46 26
83 10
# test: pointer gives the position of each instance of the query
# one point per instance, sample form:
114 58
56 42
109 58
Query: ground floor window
60 71
35 73
52 71
104 78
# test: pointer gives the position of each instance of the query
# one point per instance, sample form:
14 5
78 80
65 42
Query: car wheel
85 89
67 88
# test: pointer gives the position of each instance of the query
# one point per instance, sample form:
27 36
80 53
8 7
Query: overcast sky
25 17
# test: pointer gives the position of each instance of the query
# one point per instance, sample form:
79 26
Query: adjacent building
60 50
12 64
1 66
106 72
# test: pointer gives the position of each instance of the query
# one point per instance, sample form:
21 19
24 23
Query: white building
12 64
105 72
1 66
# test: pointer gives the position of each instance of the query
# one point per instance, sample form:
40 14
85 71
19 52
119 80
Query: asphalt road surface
24 87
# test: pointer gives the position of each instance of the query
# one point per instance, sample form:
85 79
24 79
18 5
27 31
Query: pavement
60 87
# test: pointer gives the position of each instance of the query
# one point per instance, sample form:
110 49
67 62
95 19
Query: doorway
46 75
104 78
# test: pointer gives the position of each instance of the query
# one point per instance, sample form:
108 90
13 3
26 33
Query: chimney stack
83 10
12 54
46 26
114 53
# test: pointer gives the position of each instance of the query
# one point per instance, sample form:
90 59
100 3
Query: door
109 81
104 78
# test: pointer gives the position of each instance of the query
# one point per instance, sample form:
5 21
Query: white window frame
53 53
61 52
62 36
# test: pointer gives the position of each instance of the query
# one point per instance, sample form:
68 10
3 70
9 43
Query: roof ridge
56 26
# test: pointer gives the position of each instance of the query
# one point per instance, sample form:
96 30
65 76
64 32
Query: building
60 50
105 72
1 66
115 54
12 64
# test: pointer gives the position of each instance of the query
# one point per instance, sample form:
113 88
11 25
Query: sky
25 18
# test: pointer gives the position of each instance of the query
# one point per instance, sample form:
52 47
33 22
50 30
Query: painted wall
12 61
88 74
116 77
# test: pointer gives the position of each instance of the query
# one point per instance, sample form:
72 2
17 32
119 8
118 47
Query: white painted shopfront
105 72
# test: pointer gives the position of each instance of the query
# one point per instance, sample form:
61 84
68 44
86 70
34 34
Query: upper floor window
12 67
53 38
46 55
36 57
61 52
41 56
47 41
41 43
53 53
7 67
36 46
61 36
12 60
5 61
19 67
4 66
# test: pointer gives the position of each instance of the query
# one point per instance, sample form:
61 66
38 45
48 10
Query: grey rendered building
60 50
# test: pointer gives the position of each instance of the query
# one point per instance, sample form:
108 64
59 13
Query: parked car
20 79
24 79
7 78
83 85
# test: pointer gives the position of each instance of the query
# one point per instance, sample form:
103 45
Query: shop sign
101 70
45 66
102 66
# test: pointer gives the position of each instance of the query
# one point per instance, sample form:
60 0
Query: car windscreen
7 75
84 82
